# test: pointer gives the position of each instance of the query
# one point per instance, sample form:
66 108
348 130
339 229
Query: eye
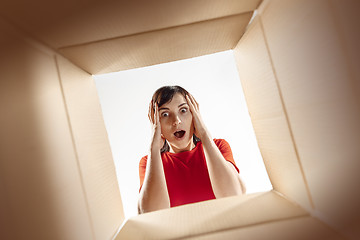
183 110
164 114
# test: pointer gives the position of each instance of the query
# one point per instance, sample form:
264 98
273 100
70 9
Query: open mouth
179 134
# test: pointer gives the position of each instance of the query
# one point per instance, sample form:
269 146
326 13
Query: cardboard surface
57 175
117 35
346 20
322 103
157 47
71 23
92 148
5 220
210 216
299 69
268 115
39 175
297 228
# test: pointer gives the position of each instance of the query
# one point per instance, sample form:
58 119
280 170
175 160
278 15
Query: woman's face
176 123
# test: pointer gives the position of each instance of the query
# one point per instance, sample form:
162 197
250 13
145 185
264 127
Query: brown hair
165 94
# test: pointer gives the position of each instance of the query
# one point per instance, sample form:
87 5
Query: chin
181 145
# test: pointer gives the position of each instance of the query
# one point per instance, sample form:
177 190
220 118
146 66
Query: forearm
153 194
225 180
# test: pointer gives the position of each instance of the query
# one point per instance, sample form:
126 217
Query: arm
153 194
224 178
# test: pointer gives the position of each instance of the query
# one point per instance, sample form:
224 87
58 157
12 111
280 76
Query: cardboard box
299 66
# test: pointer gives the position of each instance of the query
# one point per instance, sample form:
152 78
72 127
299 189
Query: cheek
189 120
164 128
192 126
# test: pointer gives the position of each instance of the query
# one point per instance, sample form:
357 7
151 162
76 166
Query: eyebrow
163 108
182 104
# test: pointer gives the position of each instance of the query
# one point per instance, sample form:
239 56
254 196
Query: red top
186 173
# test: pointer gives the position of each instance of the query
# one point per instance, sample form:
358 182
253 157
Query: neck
189 147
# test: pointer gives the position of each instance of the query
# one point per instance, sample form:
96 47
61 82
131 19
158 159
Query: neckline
179 153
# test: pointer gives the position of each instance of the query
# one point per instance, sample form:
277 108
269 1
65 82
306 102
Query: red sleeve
225 149
142 169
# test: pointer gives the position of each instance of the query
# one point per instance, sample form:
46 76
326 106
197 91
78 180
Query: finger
189 102
196 104
152 112
193 102
157 118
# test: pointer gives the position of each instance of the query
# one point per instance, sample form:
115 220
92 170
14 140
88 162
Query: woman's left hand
200 129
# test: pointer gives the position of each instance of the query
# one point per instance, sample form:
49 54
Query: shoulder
143 160
225 150
221 143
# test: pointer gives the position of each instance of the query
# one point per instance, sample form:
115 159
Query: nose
177 120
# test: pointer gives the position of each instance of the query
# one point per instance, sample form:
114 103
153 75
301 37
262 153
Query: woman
184 165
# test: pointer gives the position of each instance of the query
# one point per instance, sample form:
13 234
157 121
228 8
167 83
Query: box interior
298 64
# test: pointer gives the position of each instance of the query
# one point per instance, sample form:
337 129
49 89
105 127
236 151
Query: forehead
177 99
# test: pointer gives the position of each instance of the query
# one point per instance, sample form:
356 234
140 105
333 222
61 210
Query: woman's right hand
157 139
153 194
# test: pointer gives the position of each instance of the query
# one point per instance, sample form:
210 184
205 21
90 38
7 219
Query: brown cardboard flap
268 114
346 20
161 46
40 183
96 164
67 22
314 68
295 229
210 216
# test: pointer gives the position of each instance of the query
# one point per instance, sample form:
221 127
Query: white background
214 82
